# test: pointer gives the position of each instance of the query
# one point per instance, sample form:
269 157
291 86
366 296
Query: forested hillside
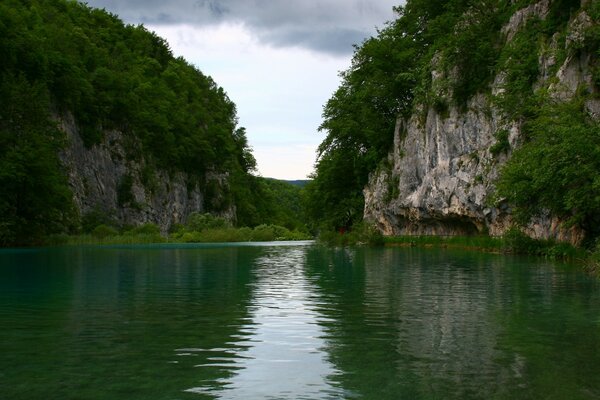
436 82
64 61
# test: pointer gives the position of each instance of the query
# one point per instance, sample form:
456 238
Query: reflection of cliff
440 308
414 324
147 319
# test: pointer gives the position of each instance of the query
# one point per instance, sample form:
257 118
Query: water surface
294 321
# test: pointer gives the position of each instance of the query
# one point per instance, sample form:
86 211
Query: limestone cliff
440 175
106 178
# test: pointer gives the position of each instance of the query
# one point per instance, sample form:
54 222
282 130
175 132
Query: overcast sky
278 60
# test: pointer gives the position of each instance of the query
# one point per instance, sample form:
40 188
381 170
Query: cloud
330 26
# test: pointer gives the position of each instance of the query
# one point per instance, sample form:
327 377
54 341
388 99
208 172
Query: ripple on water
289 322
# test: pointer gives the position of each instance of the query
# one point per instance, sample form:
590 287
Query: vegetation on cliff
557 167
62 58
391 76
200 228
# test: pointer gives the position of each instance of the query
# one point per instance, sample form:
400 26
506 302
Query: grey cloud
334 41
329 26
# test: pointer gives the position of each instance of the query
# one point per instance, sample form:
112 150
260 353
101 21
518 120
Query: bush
360 234
94 218
145 229
104 231
594 259
199 222
502 144
517 242
557 168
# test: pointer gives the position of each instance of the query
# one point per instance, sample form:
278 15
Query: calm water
294 322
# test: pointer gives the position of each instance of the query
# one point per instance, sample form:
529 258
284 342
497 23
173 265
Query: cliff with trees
468 117
101 124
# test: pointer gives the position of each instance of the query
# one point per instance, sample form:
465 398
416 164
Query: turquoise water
294 321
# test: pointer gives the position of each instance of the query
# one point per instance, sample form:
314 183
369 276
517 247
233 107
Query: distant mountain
298 182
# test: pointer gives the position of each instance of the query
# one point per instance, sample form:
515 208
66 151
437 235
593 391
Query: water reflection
102 323
293 322
283 356
438 324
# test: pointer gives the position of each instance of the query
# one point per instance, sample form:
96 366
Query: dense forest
390 77
61 58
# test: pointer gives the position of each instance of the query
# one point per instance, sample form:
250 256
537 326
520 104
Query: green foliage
210 228
387 74
283 203
463 41
519 61
35 199
473 49
269 201
124 191
593 261
149 178
103 231
360 234
64 57
145 229
199 222
502 144
517 242
393 190
557 169
360 118
514 241
261 233
96 217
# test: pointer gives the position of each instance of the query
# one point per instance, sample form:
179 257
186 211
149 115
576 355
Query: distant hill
298 182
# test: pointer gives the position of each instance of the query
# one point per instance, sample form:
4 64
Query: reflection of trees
140 321
394 323
417 324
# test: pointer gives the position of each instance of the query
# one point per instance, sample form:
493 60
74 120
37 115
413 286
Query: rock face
441 172
106 179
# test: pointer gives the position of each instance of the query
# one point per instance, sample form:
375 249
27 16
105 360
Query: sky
278 61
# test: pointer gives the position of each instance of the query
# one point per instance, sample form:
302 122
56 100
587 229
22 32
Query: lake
294 321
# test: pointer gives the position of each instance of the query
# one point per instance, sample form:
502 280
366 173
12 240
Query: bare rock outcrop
105 178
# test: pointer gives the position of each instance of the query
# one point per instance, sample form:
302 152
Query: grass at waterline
261 233
513 242
474 242
103 236
90 239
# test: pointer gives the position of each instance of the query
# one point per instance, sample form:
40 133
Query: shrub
104 231
361 233
146 229
124 191
502 144
517 242
264 233
199 222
